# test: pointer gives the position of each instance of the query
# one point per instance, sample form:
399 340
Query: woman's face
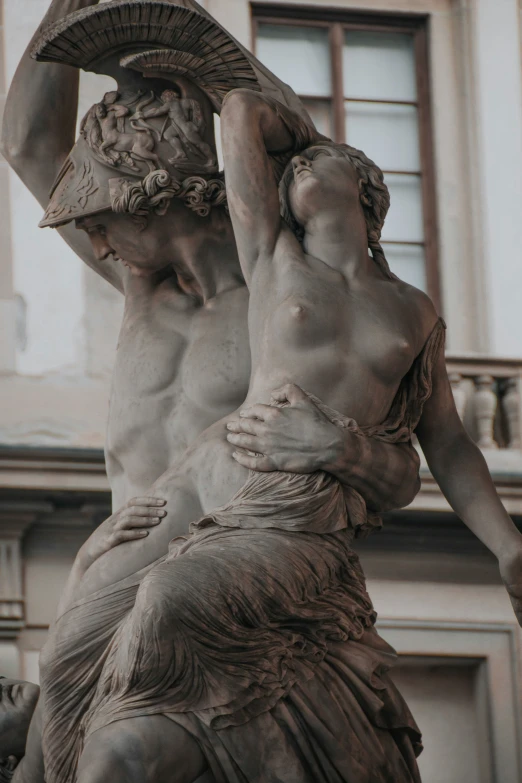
17 704
144 251
323 180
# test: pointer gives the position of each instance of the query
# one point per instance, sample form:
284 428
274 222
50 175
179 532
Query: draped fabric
414 391
229 622
347 724
254 632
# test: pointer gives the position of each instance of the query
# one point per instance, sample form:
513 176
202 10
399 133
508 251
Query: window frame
337 20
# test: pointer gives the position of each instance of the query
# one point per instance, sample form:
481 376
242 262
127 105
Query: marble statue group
270 374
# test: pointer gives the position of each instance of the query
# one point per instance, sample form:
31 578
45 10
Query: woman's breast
307 322
334 346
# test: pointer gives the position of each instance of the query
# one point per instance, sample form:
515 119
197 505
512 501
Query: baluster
11 601
485 409
512 410
459 393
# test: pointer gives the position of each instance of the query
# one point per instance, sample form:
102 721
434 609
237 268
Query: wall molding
494 646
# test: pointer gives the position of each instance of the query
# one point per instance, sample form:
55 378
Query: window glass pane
386 132
297 55
379 65
407 262
321 114
404 220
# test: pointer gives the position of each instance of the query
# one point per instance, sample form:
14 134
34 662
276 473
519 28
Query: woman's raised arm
250 129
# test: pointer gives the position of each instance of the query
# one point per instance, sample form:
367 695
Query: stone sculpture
185 322
235 635
188 318
17 704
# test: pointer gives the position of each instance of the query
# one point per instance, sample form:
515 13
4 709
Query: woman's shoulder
422 312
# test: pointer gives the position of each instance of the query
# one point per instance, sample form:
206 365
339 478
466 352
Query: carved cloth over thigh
255 633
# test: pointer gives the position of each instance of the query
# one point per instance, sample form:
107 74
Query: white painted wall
47 275
496 57
59 321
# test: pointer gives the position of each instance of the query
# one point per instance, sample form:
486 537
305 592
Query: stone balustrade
488 397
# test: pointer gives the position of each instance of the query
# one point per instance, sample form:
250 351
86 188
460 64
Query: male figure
187 319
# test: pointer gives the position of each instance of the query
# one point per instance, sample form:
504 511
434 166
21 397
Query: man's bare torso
170 344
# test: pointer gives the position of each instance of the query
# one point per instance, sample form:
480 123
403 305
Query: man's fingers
143 511
290 392
146 501
130 523
258 411
121 536
263 464
249 442
250 426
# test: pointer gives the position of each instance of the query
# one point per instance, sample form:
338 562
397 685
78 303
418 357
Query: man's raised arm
40 125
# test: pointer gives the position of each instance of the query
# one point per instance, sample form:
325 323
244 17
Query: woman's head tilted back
361 183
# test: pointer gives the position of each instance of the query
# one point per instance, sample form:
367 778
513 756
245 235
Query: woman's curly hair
155 192
374 195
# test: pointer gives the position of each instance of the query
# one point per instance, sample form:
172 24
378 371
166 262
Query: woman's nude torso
349 343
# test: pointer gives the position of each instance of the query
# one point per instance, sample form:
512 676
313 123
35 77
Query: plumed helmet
173 64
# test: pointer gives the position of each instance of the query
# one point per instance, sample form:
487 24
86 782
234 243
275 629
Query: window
363 80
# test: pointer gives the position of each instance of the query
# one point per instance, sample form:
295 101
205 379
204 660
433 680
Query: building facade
432 90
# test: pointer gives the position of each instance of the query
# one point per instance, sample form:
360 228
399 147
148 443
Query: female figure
254 635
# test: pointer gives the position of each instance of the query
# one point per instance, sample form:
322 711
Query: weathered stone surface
218 621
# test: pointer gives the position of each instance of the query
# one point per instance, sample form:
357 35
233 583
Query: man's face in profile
17 703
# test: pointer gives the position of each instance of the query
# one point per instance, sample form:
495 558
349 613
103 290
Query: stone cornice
15 519
64 490
55 469
82 471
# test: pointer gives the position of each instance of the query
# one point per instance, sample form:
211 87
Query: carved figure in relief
183 124
104 130
218 652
